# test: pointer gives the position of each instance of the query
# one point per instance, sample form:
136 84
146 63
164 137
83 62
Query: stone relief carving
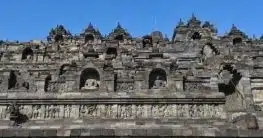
196 86
125 81
88 110
52 111
36 113
111 111
67 111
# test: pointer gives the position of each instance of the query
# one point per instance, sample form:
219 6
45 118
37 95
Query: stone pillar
108 81
42 111
140 81
214 83
75 111
61 111
40 84
247 91
114 111
178 84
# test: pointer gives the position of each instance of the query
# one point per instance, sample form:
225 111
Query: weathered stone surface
50 132
75 132
247 121
139 132
36 132
90 85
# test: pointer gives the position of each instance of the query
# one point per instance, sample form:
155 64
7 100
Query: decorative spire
234 28
60 29
180 23
90 26
193 22
119 31
236 32
90 30
118 26
193 17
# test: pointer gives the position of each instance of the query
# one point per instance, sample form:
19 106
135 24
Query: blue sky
25 20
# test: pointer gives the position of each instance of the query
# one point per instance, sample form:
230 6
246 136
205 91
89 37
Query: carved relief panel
119 111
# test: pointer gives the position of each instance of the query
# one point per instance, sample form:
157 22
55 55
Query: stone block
187 132
22 133
63 132
50 133
159 132
123 132
178 132
95 132
231 132
139 132
243 133
255 133
221 132
36 132
85 132
8 133
75 132
209 132
107 132
197 132
1 132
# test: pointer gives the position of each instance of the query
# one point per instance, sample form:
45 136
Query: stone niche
157 79
89 80
27 54
16 82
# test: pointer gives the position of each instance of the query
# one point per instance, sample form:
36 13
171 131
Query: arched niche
119 37
16 81
196 36
112 51
147 41
232 86
237 40
89 37
157 79
47 81
89 79
59 37
27 53
12 80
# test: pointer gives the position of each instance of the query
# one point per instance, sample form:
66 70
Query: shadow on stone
22 118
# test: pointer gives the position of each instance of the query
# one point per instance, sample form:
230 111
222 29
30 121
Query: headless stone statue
91 84
158 83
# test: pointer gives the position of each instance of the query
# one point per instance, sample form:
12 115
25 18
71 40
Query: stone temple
196 84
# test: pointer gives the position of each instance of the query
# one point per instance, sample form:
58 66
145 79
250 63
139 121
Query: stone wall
197 84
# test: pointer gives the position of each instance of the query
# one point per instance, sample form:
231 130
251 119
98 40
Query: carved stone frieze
196 86
120 111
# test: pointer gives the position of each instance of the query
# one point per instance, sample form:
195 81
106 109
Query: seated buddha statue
91 84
